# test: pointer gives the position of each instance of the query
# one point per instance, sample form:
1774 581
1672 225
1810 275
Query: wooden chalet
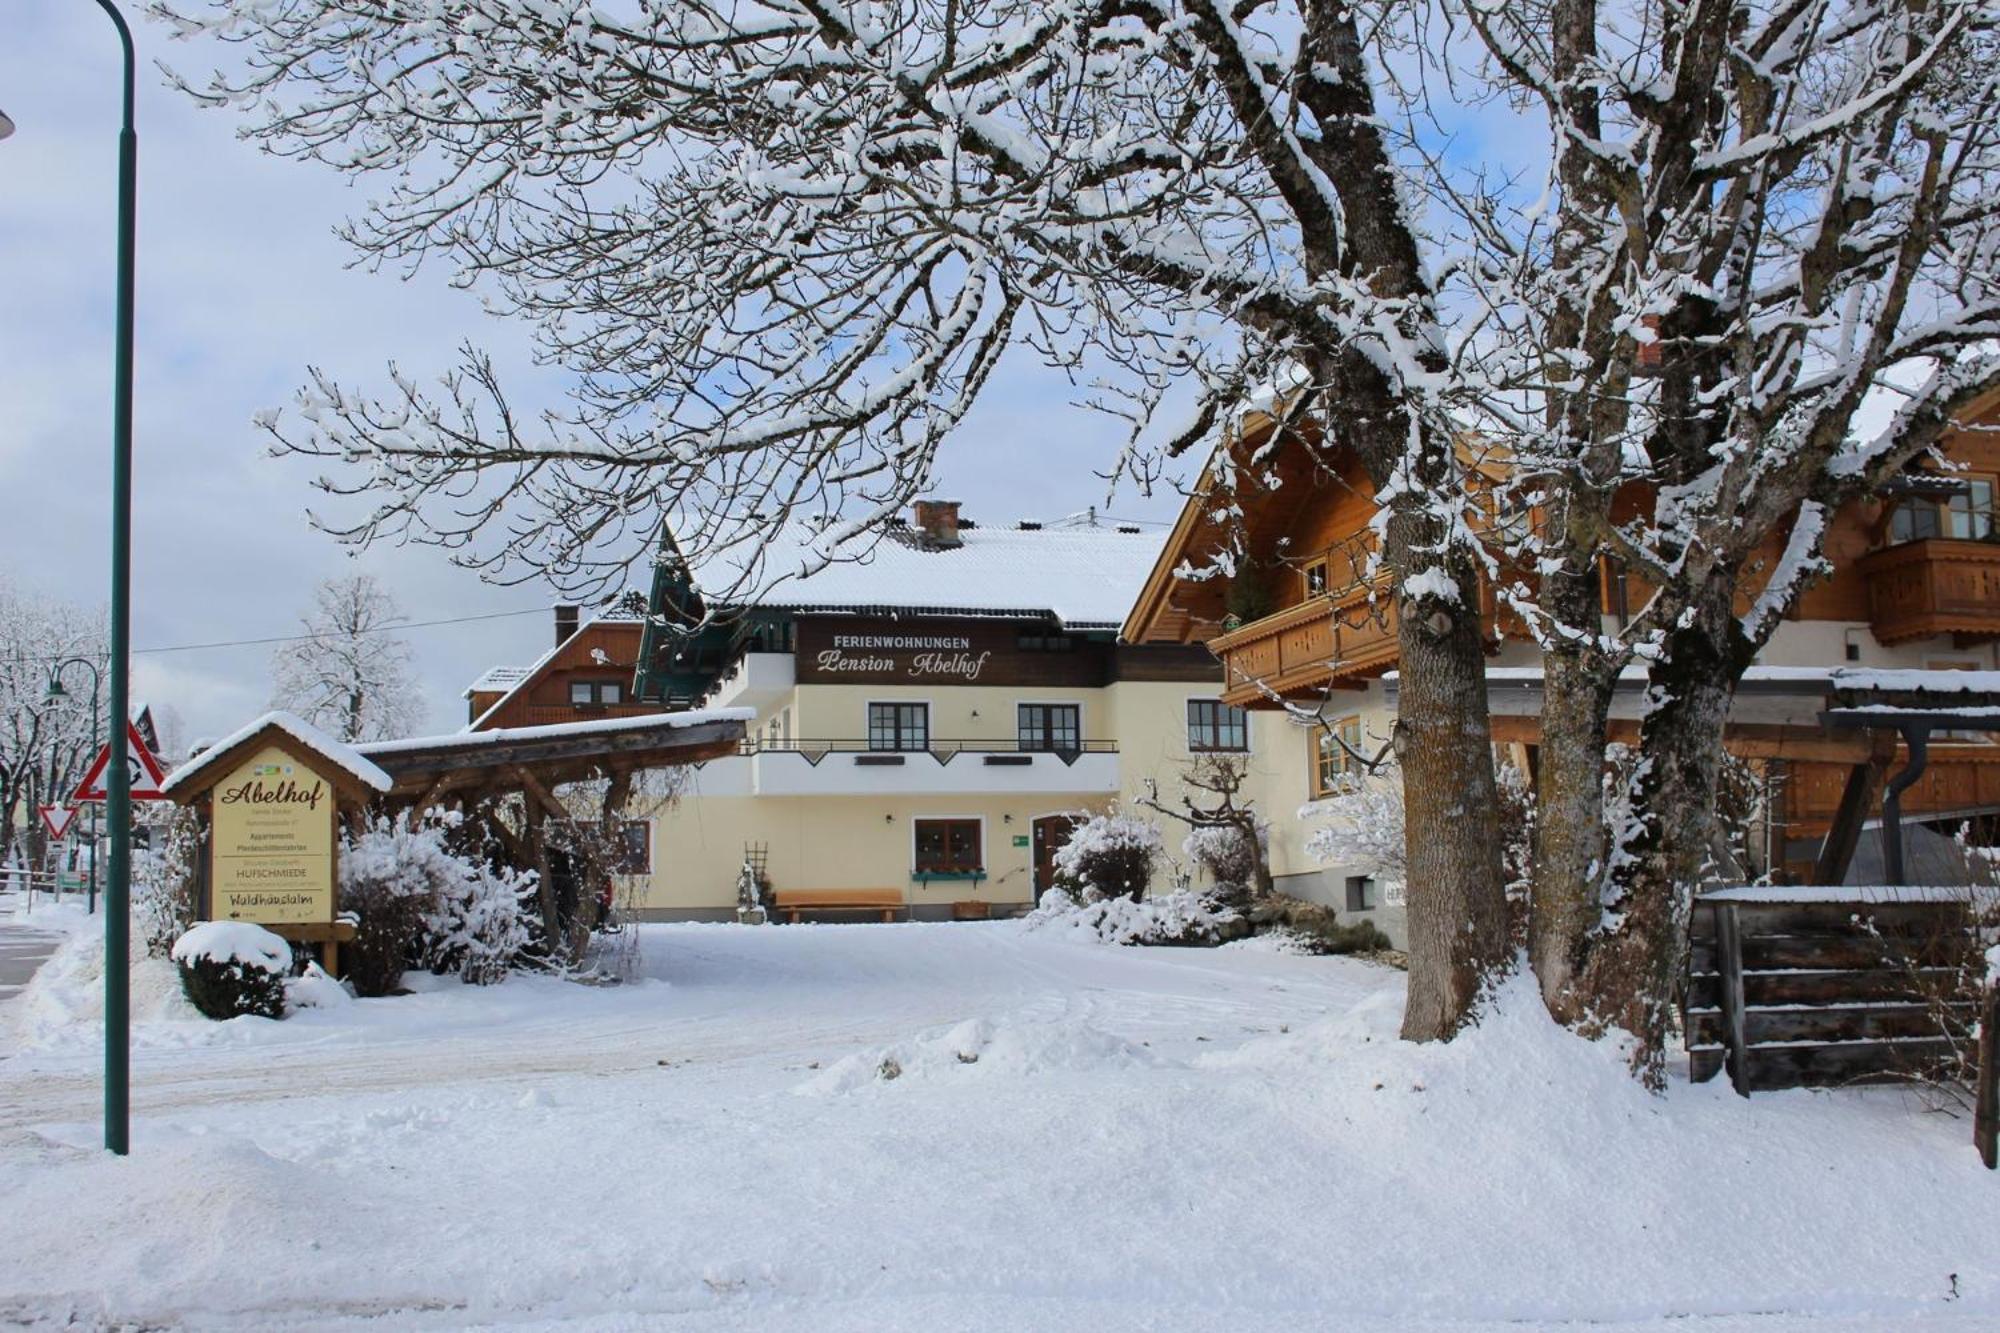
1915 583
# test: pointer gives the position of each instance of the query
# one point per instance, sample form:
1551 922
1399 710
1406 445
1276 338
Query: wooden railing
1936 586
1342 636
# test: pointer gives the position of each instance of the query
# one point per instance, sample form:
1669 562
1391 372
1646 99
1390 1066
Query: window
1316 578
1042 642
948 847
1332 763
899 726
1361 894
1214 725
632 848
1969 517
595 693
1051 727
1966 517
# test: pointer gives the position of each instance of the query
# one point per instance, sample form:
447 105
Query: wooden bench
794 901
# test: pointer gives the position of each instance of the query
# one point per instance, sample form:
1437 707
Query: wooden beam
1857 798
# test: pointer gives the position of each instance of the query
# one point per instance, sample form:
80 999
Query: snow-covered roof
1086 577
1918 682
502 678
472 740
1876 895
338 753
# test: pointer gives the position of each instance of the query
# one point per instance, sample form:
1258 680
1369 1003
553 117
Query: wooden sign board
272 840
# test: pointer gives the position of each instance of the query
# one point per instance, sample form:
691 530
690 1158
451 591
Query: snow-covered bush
394 876
233 967
1230 854
1183 918
1110 856
166 882
479 926
1360 824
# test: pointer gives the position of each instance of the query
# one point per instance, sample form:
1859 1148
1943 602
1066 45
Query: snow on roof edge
555 730
340 753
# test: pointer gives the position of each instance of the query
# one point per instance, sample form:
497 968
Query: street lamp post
118 890
57 694
118 777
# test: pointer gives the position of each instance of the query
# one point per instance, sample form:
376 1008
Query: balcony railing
941 750
1336 637
944 767
1936 586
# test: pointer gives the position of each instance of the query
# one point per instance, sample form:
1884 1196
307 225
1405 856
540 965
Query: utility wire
397 627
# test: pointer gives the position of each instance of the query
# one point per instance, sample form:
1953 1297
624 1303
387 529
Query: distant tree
350 675
45 744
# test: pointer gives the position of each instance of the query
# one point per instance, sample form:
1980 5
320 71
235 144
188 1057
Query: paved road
23 948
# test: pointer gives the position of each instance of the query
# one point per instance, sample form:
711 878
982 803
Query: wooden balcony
1936 586
1339 639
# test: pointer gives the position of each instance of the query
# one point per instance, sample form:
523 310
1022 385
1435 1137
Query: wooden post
1864 780
1986 1116
1729 958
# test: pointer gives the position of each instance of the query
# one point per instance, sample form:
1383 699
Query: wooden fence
1816 987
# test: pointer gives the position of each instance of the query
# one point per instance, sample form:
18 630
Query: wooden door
1051 832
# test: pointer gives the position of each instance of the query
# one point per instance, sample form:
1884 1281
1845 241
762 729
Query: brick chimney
565 624
937 520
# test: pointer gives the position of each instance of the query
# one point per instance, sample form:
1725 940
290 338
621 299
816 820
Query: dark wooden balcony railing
1936 586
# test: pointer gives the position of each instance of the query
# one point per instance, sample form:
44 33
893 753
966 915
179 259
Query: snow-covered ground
1077 1137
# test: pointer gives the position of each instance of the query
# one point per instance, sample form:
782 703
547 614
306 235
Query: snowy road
1075 1138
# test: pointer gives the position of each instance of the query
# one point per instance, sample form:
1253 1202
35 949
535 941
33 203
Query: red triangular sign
147 776
57 819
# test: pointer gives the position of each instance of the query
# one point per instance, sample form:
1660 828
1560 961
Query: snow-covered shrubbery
1110 856
417 899
233 967
166 882
1360 825
1185 917
1230 855
478 928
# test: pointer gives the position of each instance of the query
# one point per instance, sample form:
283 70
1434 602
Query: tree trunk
1457 900
1634 973
1564 906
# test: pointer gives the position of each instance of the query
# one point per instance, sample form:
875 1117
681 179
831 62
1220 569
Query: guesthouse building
930 717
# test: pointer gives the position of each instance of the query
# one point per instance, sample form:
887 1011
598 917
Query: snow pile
1283 940
63 1005
241 943
979 1048
1185 917
316 990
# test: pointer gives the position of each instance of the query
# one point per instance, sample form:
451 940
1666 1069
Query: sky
241 286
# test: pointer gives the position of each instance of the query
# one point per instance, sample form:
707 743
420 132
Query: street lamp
118 777
56 695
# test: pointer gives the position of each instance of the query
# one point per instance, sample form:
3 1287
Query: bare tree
45 744
783 245
350 674
1771 214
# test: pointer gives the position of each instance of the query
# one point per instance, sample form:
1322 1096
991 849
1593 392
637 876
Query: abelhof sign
272 821
843 650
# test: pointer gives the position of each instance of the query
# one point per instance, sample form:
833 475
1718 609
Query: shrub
1110 856
166 883
479 927
233 967
393 878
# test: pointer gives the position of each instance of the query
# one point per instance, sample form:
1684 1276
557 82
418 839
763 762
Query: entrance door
1051 832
